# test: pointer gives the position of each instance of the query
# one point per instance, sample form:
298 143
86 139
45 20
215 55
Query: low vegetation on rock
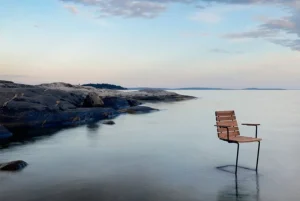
105 86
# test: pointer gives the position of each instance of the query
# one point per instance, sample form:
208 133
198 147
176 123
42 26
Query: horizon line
171 88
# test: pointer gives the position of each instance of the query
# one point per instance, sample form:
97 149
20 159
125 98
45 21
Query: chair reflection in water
240 191
228 131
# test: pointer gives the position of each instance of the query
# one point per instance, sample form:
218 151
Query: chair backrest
227 118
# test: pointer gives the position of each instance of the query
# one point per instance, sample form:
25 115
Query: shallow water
171 155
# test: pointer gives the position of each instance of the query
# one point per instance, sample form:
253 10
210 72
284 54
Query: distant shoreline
215 89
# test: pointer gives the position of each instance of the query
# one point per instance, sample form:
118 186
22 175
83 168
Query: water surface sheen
169 155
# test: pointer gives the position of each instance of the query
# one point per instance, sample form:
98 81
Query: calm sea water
170 155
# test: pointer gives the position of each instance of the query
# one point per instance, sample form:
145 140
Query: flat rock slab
116 102
138 110
13 165
38 119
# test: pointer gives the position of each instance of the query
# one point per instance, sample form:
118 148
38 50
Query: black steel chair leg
257 156
237 157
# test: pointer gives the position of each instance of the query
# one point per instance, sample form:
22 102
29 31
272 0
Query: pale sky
152 43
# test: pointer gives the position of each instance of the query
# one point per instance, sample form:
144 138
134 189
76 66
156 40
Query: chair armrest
247 124
224 126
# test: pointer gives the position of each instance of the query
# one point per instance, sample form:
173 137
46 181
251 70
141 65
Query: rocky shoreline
58 105
26 108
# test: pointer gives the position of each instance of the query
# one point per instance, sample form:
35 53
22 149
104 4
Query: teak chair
228 130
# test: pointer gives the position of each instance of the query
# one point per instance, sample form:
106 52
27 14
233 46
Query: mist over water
170 155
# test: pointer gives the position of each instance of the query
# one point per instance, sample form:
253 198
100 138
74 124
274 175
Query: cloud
195 34
250 1
142 8
152 8
270 29
259 33
273 29
293 44
283 23
223 51
72 9
261 18
200 6
207 17
125 8
210 14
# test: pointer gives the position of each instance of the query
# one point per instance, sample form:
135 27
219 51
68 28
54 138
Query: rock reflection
28 136
94 127
93 134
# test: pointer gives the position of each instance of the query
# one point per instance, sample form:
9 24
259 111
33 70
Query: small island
105 86
263 89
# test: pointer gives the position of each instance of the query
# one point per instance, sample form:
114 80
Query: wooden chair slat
235 131
224 113
231 134
225 129
226 118
227 123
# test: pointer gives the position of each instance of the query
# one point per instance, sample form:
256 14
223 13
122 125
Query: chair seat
241 139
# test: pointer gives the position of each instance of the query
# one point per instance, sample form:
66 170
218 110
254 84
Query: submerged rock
13 166
4 133
109 122
138 110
